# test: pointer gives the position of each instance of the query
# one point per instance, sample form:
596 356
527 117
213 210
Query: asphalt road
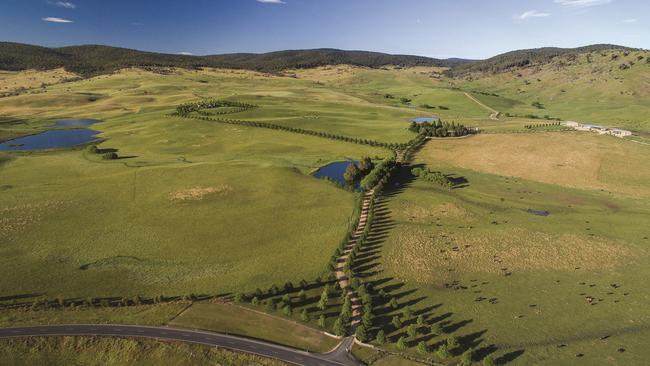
338 356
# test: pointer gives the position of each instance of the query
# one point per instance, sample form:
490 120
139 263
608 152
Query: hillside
91 60
526 58
609 87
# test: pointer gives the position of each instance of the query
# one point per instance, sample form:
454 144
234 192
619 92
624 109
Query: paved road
337 357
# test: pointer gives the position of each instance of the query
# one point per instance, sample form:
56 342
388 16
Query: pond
425 119
50 140
538 212
76 122
335 171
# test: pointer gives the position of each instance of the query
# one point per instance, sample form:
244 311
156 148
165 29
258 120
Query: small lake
50 140
76 122
538 212
335 171
425 119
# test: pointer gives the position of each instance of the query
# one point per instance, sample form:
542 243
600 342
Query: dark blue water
50 140
334 171
424 119
76 122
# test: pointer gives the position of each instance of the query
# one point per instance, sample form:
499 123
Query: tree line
303 131
187 108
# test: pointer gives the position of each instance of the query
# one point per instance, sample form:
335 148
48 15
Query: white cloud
57 20
533 14
65 4
582 3
186 53
271 1
631 20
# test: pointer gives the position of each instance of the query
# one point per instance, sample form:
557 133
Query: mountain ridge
91 60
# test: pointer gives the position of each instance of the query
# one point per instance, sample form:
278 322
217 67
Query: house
598 129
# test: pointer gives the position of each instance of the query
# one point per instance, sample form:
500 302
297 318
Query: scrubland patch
326 73
199 193
12 80
426 257
16 218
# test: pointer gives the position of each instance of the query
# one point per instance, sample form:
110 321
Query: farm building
598 129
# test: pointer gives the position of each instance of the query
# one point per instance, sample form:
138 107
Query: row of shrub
303 131
60 302
533 116
538 125
187 108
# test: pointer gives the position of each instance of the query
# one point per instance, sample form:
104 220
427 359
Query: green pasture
522 288
118 352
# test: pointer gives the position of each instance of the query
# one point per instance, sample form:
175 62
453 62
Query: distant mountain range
89 60
94 59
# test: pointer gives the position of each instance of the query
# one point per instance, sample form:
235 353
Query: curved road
337 357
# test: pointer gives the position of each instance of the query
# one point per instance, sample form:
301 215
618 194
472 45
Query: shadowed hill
91 60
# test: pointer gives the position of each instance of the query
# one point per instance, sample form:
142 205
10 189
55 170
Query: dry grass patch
13 80
326 73
426 257
579 159
416 213
199 193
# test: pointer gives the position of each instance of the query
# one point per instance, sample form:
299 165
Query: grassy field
220 190
575 159
118 351
525 289
158 314
253 323
208 208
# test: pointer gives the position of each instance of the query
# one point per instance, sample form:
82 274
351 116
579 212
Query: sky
474 29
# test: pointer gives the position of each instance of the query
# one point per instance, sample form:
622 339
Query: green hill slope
609 87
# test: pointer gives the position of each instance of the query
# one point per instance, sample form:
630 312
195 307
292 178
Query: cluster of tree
91 60
187 108
107 154
353 172
378 176
433 177
327 135
439 129
524 58
286 300
538 105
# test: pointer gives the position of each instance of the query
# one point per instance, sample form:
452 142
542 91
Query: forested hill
94 60
524 58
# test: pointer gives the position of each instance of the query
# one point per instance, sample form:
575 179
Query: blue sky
437 28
